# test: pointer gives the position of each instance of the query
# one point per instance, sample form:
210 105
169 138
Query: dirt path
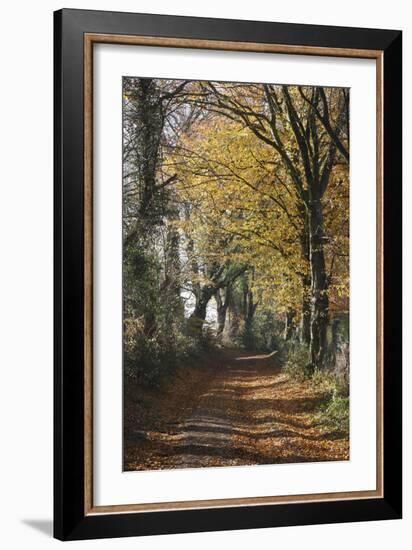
247 412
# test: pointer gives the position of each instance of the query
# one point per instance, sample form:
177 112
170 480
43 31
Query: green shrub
297 362
336 412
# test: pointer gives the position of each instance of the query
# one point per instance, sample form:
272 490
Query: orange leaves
241 191
234 410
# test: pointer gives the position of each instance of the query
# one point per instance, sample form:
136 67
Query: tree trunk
149 127
222 306
306 279
319 287
234 321
197 318
249 312
173 300
137 243
334 343
306 307
287 332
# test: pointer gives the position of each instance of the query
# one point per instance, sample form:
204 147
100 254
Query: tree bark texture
319 286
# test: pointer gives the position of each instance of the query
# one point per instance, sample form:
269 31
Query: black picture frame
70 520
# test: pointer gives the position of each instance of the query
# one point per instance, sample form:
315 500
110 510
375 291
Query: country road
246 411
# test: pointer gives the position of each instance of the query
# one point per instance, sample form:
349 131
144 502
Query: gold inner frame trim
89 40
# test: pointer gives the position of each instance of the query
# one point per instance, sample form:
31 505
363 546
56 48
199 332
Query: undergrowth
334 411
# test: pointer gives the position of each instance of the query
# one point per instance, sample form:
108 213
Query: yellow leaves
228 176
244 206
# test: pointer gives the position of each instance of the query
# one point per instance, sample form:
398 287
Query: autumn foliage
235 226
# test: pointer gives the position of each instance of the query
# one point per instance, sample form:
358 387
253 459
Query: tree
151 264
236 196
290 120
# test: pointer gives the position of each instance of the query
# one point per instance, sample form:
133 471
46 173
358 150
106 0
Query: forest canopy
235 222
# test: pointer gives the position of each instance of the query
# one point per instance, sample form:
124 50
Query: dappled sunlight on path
249 412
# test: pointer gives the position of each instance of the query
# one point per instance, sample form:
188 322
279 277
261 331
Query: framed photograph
227 274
